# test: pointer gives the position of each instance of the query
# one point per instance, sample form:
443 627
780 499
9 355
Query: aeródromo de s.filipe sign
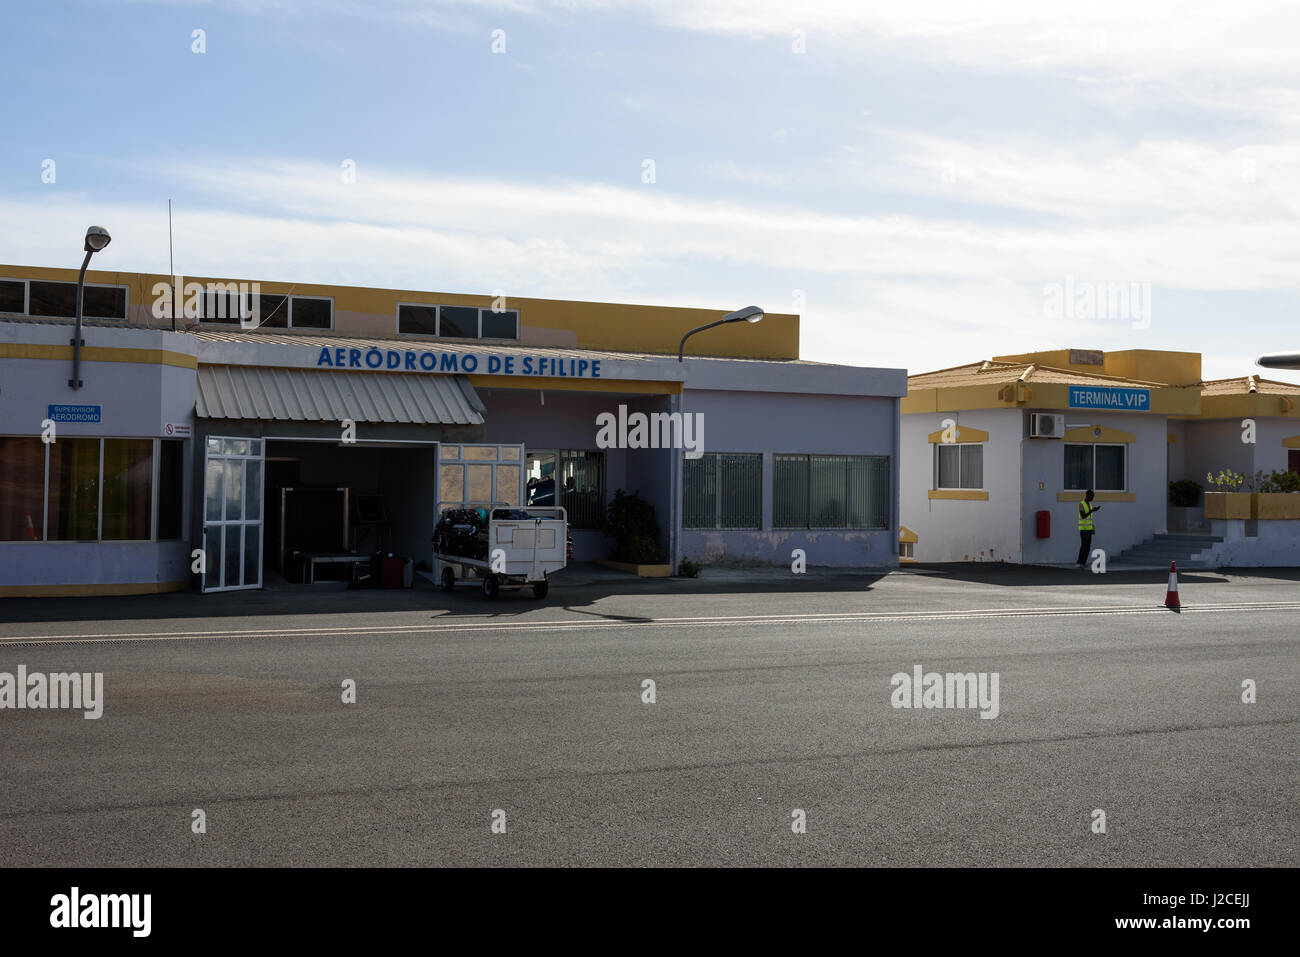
465 363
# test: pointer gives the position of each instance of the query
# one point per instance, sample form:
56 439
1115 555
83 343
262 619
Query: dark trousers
1085 545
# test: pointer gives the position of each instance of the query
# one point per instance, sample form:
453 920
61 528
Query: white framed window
1100 466
959 465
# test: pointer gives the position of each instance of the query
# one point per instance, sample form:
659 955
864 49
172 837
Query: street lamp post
748 314
96 239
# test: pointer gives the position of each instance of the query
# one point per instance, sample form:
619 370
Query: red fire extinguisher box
1043 523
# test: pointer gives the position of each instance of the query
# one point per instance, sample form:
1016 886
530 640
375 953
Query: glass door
232 514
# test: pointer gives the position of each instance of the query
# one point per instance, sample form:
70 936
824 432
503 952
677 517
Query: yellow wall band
13 350
959 494
563 384
90 590
1077 496
1085 434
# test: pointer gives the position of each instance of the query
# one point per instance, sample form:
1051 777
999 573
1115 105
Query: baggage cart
526 545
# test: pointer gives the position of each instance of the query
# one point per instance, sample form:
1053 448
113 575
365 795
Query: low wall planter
642 571
1227 505
1267 505
1275 505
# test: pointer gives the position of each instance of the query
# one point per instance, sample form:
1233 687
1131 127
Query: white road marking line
721 620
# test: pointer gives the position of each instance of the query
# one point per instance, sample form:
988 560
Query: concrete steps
1191 551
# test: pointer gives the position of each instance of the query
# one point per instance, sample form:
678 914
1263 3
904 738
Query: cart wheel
448 579
540 589
491 587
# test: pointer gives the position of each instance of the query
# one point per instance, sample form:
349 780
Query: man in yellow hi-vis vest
1086 527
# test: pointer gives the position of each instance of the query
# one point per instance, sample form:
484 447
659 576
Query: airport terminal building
997 454
282 419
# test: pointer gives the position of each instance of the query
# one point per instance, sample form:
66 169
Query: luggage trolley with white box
508 547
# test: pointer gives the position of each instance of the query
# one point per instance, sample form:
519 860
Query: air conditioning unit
1043 425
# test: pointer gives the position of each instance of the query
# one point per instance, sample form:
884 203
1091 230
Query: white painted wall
1215 444
1269 433
1275 544
1003 528
960 531
1119 525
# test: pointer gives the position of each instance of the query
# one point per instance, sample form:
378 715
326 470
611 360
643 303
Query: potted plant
1185 510
1275 496
630 521
1271 496
1227 501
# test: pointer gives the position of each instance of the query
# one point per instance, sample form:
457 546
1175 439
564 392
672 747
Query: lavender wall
798 423
136 400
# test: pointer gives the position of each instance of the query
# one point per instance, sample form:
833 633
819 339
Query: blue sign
1108 397
74 413
463 363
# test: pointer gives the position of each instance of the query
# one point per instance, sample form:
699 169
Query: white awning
308 395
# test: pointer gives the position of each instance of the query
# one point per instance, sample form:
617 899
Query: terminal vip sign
1111 398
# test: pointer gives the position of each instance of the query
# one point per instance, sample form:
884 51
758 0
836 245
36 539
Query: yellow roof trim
964 434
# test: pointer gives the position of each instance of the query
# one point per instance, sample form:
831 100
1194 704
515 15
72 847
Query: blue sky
910 178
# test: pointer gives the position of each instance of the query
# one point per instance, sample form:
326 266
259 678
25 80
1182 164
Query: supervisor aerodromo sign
376 359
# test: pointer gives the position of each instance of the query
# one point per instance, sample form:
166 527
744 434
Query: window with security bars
959 466
831 491
582 478
722 490
578 476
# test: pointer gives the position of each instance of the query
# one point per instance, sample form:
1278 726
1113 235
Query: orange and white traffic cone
31 529
1171 596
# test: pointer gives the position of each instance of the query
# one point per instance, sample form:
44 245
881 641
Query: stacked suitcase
463 532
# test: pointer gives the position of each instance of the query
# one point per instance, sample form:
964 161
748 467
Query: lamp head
97 238
748 314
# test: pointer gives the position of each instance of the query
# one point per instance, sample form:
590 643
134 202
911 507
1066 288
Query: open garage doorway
331 506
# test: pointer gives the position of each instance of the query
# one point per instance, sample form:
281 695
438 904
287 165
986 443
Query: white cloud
884 290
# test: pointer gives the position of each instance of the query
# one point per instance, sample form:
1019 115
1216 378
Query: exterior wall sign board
462 363
74 413
1116 399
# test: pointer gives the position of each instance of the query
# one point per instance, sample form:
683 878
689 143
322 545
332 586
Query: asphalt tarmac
773 695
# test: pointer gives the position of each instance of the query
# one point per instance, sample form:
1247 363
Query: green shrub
630 521
1184 493
1286 481
688 569
1226 481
